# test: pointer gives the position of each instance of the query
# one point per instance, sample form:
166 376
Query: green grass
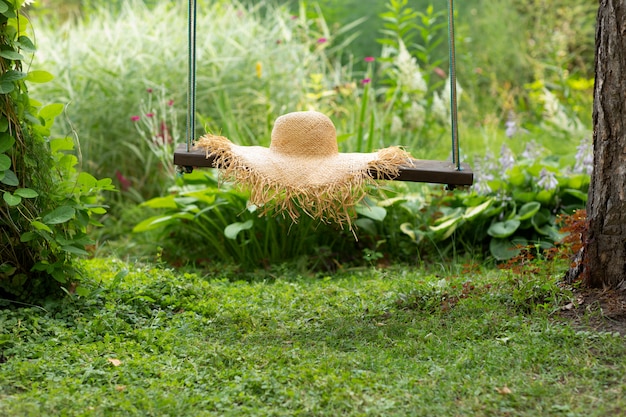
371 342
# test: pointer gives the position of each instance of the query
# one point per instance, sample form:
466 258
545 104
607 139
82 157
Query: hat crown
306 133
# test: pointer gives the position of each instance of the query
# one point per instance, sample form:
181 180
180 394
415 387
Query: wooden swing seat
428 171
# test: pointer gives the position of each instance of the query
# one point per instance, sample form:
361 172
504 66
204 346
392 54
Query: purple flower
366 81
322 40
135 118
547 180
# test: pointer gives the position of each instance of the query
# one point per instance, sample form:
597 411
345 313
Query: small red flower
366 81
170 103
149 114
149 90
322 40
135 118
369 59
125 183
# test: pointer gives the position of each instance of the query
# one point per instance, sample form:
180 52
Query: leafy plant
47 205
201 222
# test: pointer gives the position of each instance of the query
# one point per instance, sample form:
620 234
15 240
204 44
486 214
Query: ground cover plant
147 340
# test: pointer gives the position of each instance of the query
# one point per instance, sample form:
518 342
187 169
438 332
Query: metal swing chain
453 96
191 81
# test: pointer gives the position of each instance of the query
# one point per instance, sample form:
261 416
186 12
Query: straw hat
303 168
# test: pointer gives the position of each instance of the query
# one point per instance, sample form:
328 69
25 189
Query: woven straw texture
303 169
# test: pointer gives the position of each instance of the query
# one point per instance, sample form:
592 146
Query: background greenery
524 72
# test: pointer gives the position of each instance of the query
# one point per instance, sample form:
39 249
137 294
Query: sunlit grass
436 341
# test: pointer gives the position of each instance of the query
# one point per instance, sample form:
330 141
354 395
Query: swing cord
453 96
191 84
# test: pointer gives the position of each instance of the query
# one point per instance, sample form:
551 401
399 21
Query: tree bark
604 256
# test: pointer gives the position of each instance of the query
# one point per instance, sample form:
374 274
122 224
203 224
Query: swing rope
191 80
452 173
453 95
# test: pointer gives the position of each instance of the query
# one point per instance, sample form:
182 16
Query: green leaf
577 193
10 178
3 7
232 230
59 215
528 210
6 141
8 54
39 76
504 249
40 226
12 75
5 162
156 222
51 111
74 250
503 229
26 193
28 236
161 202
26 44
472 212
11 200
6 87
61 144
372 212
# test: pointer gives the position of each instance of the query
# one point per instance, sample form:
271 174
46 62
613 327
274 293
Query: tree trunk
604 257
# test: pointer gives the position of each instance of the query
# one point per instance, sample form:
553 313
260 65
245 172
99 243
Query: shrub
47 206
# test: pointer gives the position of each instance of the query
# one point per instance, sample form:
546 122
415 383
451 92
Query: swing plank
436 172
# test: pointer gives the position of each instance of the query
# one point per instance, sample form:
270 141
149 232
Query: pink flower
369 59
170 103
322 40
149 90
149 114
125 183
294 17
366 81
135 118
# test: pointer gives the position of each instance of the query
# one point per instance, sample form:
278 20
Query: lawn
445 341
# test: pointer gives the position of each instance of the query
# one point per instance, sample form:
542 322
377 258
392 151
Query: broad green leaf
86 181
6 87
26 193
504 249
503 229
74 250
4 126
578 194
59 215
6 141
161 202
232 230
366 225
26 44
528 210
40 226
51 111
372 212
8 54
11 200
5 162
156 222
10 178
12 75
3 7
541 217
39 76
472 212
61 144
28 236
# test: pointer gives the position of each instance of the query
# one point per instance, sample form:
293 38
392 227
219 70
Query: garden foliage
47 206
